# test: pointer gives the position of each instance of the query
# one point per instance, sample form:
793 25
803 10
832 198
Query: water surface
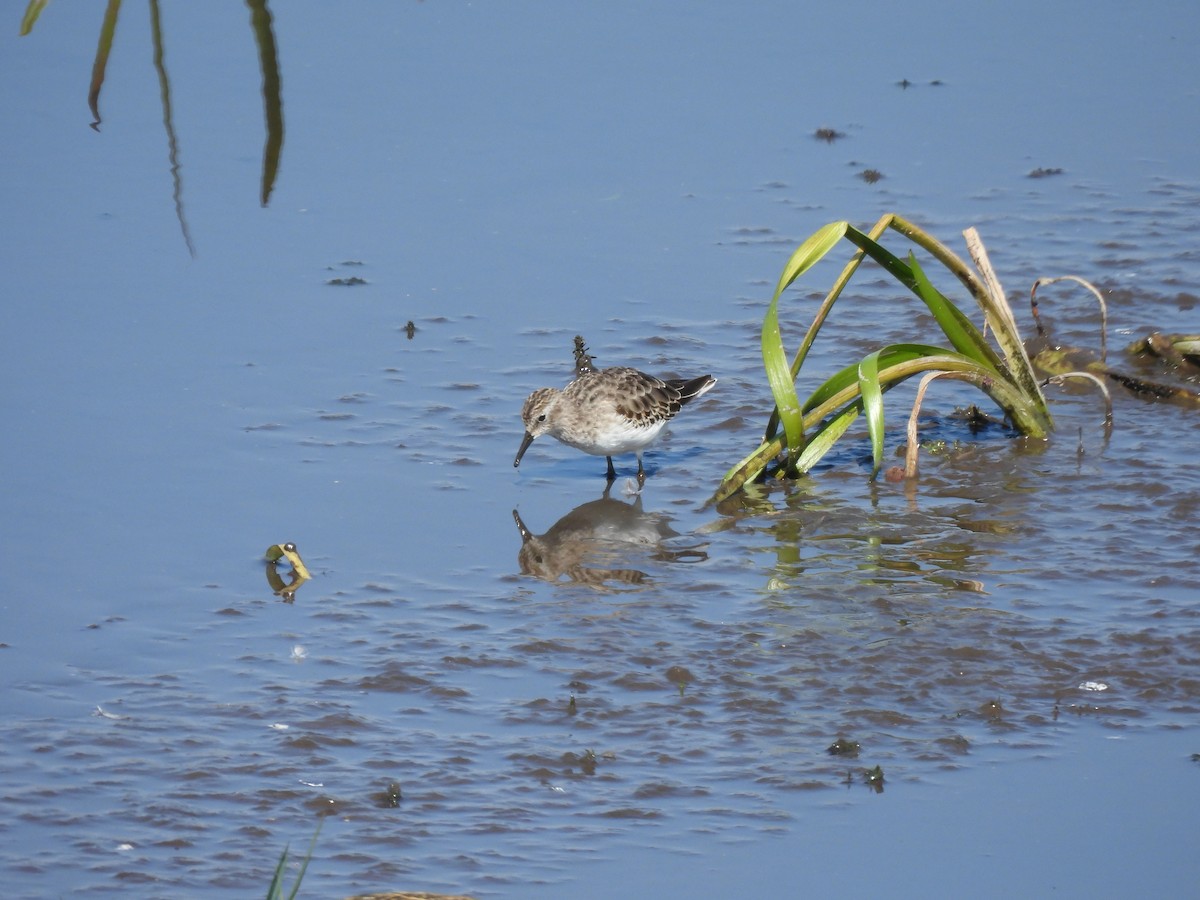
1014 642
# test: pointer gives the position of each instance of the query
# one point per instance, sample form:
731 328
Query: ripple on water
973 615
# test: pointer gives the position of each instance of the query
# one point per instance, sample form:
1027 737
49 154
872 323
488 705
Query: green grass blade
893 366
1004 373
811 251
837 229
307 858
963 335
901 367
779 373
941 253
32 11
889 356
837 402
779 377
872 398
275 891
748 469
825 437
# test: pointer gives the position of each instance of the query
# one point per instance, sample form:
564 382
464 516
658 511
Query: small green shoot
276 890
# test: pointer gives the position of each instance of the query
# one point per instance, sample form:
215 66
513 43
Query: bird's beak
525 442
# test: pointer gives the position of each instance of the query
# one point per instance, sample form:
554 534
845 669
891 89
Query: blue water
506 177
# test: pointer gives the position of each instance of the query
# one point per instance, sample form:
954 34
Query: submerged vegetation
799 434
1170 355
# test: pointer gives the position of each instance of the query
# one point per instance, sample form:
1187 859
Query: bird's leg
641 476
612 473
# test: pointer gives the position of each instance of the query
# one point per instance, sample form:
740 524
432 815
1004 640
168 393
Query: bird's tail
691 388
583 362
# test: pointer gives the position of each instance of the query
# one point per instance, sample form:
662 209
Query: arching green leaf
779 373
872 398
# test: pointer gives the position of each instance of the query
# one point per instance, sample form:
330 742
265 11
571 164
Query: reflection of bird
299 571
607 411
596 532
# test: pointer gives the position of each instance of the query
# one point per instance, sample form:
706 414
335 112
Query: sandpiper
607 411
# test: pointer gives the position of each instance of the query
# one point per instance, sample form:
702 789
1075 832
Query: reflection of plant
811 429
164 88
260 20
268 59
107 30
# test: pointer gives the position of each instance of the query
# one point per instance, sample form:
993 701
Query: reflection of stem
260 20
165 89
107 30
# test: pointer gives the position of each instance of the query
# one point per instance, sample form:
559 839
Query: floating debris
390 797
1178 354
299 573
844 747
992 709
1179 351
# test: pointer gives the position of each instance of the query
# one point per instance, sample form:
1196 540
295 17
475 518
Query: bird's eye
542 417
